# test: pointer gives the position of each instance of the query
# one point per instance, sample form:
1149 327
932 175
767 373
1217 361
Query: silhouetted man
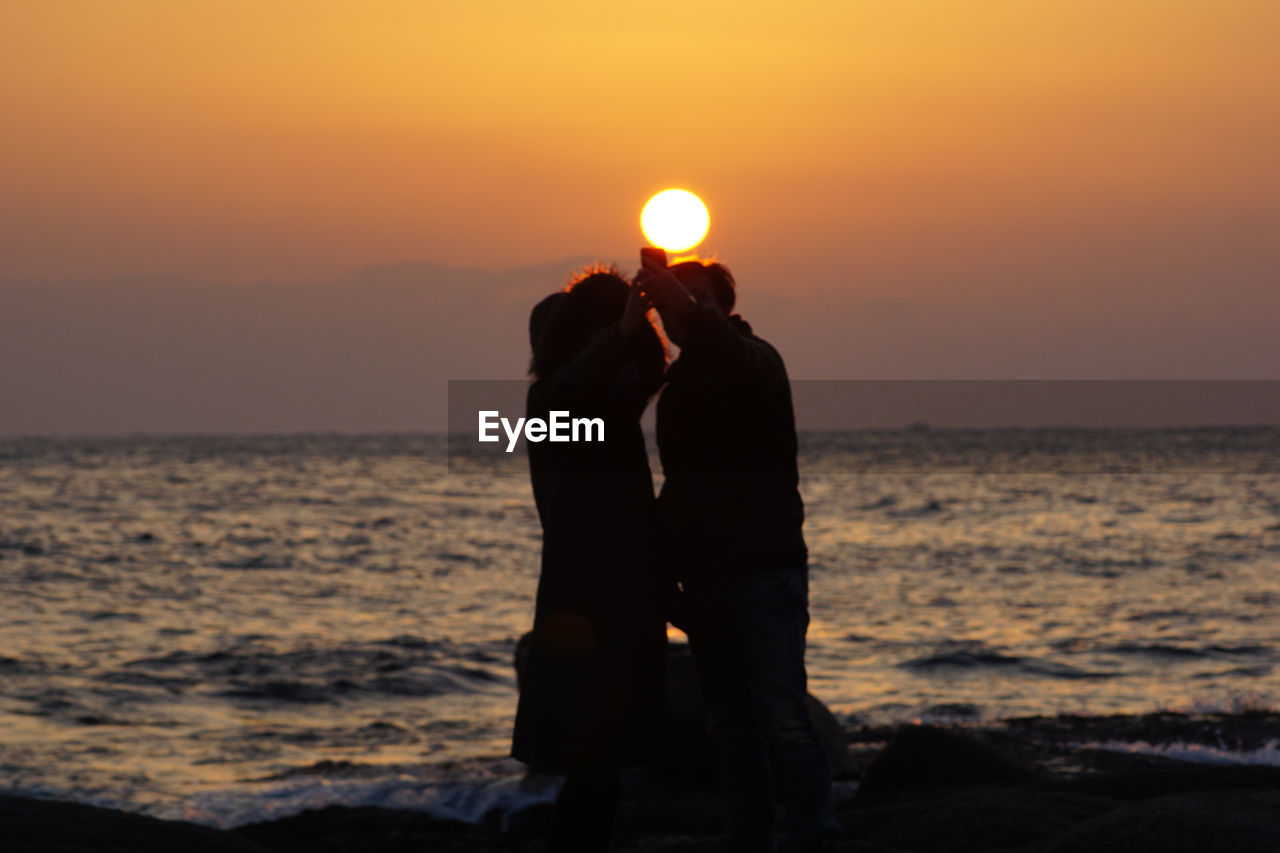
730 514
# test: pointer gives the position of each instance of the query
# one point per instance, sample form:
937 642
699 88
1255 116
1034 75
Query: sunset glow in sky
1050 167
243 140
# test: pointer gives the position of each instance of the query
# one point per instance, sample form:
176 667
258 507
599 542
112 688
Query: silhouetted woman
592 693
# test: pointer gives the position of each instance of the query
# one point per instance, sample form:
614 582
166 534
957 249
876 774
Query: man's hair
722 283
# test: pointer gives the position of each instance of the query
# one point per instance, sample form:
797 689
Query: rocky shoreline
1035 785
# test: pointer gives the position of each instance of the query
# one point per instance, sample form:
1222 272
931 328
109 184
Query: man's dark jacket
730 504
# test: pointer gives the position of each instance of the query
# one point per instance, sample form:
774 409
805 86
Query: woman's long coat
593 690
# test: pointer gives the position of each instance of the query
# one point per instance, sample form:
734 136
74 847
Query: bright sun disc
675 220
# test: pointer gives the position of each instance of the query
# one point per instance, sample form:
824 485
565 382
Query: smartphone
653 257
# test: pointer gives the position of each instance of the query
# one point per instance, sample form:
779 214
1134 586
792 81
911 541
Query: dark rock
50 826
930 757
528 822
687 750
1245 731
1174 777
339 829
841 760
651 804
972 819
1222 822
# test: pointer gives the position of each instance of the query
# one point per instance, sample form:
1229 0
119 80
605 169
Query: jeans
747 638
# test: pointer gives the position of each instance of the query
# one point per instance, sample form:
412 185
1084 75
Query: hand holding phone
657 281
653 257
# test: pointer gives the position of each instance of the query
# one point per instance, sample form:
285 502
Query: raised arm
703 329
603 359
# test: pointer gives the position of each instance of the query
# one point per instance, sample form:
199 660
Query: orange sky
236 140
995 189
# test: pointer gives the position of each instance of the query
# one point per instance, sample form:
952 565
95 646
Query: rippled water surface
227 627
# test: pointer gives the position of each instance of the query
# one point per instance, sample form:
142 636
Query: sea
229 629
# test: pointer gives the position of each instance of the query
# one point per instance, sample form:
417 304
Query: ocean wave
402 666
1166 651
487 793
1267 755
978 658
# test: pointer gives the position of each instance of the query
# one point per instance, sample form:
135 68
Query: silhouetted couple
726 527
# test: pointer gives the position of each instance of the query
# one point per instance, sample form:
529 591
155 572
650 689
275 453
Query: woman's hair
541 316
562 324
722 283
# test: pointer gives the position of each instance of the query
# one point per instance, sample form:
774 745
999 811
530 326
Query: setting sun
675 220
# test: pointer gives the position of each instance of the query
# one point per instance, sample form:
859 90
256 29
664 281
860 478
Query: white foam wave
470 800
1269 754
